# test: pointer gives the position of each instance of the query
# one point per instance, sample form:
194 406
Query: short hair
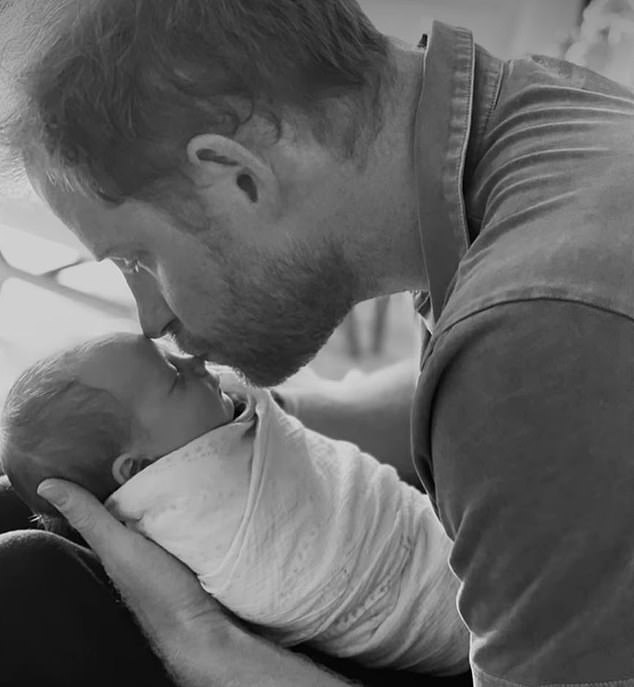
54 425
115 97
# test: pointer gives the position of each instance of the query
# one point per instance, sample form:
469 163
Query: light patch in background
507 28
34 322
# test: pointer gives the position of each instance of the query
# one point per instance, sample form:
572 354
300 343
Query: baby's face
174 399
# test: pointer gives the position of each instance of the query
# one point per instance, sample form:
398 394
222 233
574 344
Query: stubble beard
279 313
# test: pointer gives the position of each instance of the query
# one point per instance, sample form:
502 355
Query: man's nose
155 316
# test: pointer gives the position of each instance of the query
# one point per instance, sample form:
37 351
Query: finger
117 546
152 581
121 550
83 511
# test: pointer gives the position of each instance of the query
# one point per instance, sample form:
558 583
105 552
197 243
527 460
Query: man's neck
390 186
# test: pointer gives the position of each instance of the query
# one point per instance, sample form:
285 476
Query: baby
306 537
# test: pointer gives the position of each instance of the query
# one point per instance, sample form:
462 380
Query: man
255 168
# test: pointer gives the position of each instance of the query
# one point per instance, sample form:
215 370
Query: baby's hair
54 425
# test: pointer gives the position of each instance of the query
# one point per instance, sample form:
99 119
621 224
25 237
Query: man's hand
369 410
190 631
162 592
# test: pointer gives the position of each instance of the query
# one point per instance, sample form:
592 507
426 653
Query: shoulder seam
445 328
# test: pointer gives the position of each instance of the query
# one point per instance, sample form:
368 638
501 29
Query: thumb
156 586
82 510
54 491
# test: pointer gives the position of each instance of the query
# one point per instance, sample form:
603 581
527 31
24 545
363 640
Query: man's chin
251 375
257 377
194 346
263 376
267 367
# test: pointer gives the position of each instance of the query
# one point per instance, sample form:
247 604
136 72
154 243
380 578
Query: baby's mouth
239 405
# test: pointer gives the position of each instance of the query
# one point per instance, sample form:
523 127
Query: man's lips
205 356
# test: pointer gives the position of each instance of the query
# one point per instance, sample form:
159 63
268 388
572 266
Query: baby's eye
128 265
178 377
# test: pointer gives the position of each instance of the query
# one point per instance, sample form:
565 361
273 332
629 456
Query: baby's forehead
112 346
121 360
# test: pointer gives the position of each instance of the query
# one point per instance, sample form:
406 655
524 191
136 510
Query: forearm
373 413
199 644
236 658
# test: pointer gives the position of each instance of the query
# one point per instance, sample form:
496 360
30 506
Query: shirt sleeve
523 436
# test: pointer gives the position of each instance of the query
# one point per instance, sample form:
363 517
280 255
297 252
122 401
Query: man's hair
112 95
53 425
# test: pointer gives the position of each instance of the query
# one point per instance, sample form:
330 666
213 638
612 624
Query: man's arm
371 411
200 645
525 430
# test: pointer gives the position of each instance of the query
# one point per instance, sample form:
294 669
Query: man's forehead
99 227
83 216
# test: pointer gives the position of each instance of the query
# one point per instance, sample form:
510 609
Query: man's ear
217 161
127 465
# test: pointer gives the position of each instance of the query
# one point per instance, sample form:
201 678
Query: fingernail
53 492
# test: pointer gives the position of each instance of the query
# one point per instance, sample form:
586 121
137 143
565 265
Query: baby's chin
219 410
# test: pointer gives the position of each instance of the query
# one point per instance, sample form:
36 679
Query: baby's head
99 413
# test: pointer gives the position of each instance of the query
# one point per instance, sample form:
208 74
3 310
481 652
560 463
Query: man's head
221 147
114 90
99 413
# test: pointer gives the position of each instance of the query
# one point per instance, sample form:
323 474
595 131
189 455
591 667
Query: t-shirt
523 423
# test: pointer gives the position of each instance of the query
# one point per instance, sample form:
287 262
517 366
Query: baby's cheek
208 410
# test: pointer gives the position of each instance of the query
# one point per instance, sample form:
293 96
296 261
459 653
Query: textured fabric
62 623
523 416
14 513
194 498
332 548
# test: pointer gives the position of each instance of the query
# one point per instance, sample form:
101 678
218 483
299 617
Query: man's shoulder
557 72
553 237
507 361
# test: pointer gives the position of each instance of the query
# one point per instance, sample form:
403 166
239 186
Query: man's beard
279 319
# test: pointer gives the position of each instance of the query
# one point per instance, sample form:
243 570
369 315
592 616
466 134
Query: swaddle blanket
307 537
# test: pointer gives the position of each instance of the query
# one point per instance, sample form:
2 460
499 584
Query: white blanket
307 537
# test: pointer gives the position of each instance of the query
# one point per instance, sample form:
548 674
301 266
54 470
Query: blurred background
51 295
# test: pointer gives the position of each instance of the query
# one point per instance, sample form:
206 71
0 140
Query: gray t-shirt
523 424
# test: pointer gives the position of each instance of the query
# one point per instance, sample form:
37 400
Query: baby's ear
127 465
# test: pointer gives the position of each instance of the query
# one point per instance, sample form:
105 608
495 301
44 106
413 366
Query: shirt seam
496 98
486 679
445 329
491 109
462 128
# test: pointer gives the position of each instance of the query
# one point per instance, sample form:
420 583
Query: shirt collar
443 127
